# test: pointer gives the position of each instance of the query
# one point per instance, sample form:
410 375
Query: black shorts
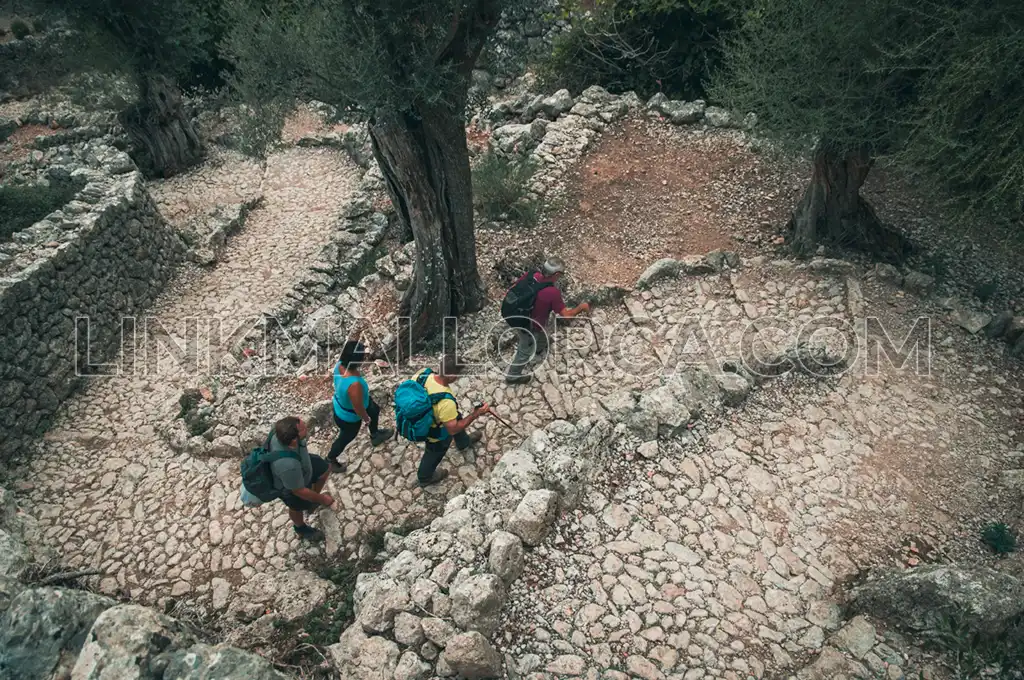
319 466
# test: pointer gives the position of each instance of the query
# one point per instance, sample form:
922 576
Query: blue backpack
414 409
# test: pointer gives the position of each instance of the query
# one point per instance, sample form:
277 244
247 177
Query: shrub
501 189
20 29
999 538
39 25
22 206
648 46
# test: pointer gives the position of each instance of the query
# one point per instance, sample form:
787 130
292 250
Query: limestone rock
972 322
516 137
506 556
534 515
918 282
472 657
226 446
409 630
557 104
44 630
360 657
477 603
719 117
291 594
832 665
735 388
411 667
378 600
664 268
206 662
438 631
857 637
999 324
986 601
14 555
888 274
682 113
125 642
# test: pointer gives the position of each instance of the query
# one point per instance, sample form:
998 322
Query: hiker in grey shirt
302 476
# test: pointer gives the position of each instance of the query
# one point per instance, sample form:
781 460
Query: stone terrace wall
104 256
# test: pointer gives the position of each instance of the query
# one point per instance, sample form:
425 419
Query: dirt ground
646 191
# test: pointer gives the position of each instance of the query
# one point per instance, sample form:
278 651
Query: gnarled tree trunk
833 211
425 163
163 139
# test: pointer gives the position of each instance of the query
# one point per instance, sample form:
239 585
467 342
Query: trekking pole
500 419
593 329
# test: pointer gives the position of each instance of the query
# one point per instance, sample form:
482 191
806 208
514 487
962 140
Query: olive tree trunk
425 162
833 211
163 140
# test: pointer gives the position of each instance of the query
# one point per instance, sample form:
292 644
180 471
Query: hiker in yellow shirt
449 423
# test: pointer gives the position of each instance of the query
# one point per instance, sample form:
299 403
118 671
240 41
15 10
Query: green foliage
999 538
501 186
974 654
20 29
23 205
643 45
39 25
966 130
366 55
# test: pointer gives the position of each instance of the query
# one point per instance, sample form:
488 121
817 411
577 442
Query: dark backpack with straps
257 475
414 409
520 300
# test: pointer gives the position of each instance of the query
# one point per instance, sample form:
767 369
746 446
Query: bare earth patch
647 191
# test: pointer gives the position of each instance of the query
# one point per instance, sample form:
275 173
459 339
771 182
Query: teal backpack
414 409
257 476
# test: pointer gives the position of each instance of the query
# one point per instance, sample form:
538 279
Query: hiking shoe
474 439
338 466
309 533
439 476
518 379
381 436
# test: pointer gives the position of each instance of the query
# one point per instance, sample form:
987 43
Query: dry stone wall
103 256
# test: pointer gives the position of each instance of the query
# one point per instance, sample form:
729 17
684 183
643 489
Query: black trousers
347 431
434 452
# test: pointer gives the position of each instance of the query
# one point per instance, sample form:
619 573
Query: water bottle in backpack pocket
414 409
258 477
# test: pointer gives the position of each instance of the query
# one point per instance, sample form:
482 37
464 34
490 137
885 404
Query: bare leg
296 517
318 485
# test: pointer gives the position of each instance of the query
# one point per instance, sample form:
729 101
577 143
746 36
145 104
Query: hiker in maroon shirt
537 293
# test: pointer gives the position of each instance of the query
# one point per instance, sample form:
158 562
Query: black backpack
520 299
257 476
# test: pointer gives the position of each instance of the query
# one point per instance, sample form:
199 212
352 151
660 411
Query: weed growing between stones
975 655
20 29
999 537
501 189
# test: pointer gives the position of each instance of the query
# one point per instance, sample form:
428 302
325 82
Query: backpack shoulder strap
438 397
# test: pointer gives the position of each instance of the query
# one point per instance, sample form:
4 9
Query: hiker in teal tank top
352 404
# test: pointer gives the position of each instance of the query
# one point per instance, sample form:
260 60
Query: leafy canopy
357 55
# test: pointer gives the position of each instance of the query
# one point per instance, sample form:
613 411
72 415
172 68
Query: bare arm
582 308
355 395
456 426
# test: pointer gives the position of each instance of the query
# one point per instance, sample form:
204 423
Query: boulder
566 473
206 662
290 594
506 556
985 601
918 282
226 446
472 657
1015 330
516 137
477 603
999 324
682 113
557 104
14 555
720 260
44 629
411 667
9 589
887 273
438 631
534 516
831 664
357 656
623 407
972 322
735 388
378 600
664 268
327 326
720 118
409 630
696 265
125 642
